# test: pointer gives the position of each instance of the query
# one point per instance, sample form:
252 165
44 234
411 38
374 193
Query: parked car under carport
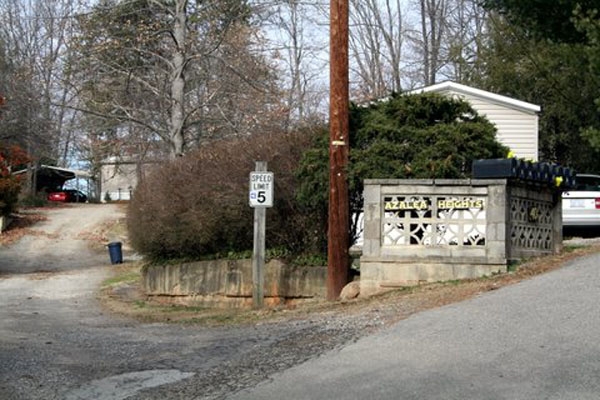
68 196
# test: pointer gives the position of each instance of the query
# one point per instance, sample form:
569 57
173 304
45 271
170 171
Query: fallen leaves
20 227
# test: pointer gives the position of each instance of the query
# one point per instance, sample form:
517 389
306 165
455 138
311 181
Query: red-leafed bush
198 205
10 186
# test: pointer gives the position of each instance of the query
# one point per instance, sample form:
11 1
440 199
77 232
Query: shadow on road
583 232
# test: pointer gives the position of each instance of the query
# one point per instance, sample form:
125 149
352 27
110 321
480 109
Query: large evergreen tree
405 136
555 20
546 52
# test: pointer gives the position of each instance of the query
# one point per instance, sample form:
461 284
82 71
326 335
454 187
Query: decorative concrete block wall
426 231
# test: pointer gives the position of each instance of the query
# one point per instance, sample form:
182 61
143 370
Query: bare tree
467 37
376 40
35 36
294 30
434 24
168 66
448 42
179 59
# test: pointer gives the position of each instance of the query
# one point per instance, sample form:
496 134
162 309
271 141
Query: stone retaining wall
228 283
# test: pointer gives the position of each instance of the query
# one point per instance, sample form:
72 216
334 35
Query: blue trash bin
116 255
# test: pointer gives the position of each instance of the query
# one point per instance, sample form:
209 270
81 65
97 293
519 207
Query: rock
350 291
4 222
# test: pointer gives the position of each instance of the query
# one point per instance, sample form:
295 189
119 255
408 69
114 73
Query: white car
581 205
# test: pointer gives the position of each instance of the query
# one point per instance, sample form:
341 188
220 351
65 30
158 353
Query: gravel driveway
56 342
58 243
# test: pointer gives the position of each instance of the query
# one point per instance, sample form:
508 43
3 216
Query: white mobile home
515 120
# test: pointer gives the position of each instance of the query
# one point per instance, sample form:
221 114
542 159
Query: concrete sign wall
426 231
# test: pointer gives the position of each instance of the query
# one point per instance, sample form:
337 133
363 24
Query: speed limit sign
261 189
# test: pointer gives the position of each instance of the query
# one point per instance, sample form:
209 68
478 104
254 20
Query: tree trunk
425 35
177 118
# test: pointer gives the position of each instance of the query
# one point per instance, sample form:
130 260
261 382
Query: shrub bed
197 205
11 156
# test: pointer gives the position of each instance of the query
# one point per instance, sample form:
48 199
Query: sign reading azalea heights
442 204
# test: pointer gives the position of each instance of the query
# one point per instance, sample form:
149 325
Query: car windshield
588 183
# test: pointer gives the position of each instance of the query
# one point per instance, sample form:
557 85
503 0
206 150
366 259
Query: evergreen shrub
405 137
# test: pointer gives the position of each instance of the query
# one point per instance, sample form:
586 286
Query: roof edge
77 173
450 85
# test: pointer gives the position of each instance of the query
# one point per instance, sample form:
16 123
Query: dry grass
123 295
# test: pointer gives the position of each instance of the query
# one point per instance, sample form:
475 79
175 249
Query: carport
50 178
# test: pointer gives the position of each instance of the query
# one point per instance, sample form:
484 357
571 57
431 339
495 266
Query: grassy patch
218 319
453 282
573 247
178 308
123 278
140 304
124 274
512 266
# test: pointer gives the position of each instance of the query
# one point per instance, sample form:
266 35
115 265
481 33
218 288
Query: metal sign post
260 198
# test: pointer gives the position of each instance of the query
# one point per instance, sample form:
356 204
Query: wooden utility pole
339 102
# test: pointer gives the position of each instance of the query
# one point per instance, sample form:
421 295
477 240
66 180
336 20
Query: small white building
517 121
118 180
119 177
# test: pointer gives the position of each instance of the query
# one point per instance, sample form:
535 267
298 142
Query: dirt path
59 243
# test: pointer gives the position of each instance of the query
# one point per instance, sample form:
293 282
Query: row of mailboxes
513 168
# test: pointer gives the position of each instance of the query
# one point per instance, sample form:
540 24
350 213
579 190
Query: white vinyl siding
517 127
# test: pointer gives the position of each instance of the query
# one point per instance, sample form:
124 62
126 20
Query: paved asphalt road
539 339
